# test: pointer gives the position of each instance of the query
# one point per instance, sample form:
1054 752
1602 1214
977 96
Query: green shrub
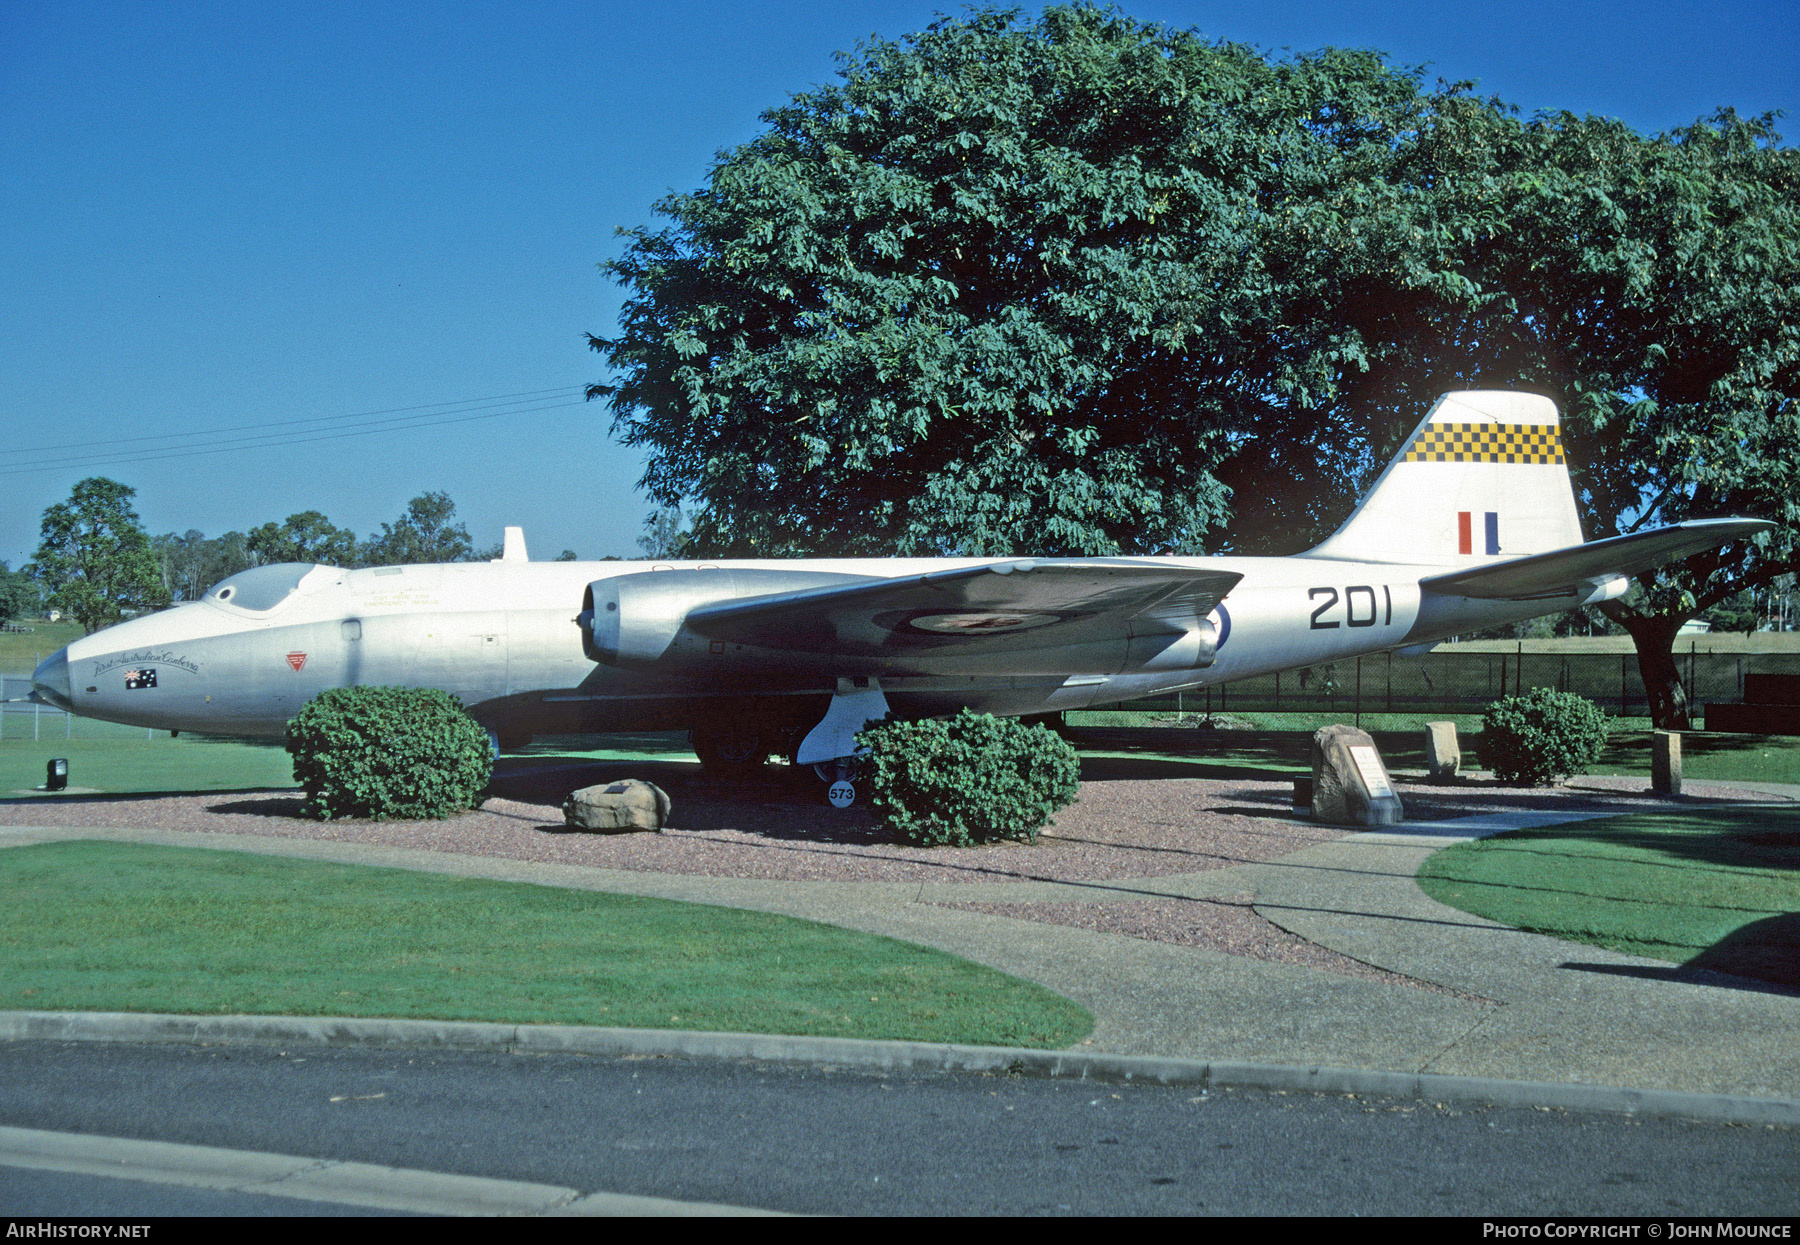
1542 737
388 752
968 779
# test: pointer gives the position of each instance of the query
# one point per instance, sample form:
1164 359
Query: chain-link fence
1469 682
44 723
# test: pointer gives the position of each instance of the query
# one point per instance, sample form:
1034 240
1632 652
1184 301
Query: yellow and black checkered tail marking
1486 443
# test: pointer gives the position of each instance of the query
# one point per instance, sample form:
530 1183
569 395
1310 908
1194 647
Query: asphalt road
815 1140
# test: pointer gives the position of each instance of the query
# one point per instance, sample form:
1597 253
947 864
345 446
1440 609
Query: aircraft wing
1562 572
996 608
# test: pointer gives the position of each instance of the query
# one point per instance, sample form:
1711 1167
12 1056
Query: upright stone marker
1351 786
1665 761
1443 754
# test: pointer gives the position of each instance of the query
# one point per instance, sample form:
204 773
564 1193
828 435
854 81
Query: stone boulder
1351 786
1443 754
618 807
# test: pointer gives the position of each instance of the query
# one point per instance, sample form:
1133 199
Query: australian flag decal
143 676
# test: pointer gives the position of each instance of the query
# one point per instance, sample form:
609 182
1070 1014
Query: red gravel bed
1117 829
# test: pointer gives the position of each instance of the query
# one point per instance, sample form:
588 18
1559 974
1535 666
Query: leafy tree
191 563
568 555
425 533
1735 613
305 537
93 557
1650 285
19 595
664 536
1006 289
1080 285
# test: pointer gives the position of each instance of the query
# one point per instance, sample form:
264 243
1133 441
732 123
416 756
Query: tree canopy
304 537
1076 284
193 562
425 533
1005 289
93 557
19 596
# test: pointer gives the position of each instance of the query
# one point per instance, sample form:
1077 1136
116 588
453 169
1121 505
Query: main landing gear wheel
729 749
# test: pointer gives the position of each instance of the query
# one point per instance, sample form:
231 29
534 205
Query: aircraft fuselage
504 638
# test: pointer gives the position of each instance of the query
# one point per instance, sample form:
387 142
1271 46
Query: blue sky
221 215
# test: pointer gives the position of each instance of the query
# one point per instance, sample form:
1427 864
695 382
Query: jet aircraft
1472 524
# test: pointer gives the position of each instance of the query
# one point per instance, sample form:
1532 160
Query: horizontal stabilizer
1567 572
998 607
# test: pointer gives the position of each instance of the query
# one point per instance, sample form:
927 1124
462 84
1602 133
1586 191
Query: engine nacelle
637 621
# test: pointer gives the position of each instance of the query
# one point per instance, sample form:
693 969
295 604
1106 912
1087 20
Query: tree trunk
1654 638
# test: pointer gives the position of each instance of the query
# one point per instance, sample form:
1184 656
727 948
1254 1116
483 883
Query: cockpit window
261 587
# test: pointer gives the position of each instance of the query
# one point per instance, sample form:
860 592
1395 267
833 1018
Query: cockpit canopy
262 588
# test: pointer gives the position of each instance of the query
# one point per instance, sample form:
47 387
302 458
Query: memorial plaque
1368 765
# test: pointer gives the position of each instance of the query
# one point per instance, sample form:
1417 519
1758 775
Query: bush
1542 737
968 779
388 752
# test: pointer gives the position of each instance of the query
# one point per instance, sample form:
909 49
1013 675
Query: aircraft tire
729 749
842 769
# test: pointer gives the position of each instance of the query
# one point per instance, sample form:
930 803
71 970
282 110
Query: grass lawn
1282 742
1718 888
95 926
134 764
637 746
21 651
1709 754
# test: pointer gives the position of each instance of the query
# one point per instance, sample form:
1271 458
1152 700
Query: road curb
887 1055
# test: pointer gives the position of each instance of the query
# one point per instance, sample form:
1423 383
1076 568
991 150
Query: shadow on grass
1632 748
1763 956
1713 889
1763 837
1766 950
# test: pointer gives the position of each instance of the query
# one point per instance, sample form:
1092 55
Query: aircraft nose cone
51 679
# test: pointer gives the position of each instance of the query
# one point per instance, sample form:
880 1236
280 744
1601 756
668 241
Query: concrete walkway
1525 1007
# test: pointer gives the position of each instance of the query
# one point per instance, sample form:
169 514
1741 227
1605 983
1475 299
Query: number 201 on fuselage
1380 608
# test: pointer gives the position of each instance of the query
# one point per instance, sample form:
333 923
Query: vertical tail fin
1481 479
